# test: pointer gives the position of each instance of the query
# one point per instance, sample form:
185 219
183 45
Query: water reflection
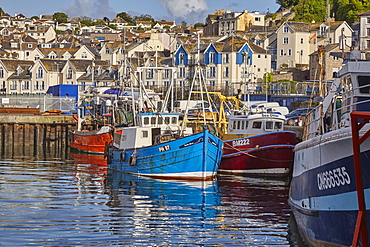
78 201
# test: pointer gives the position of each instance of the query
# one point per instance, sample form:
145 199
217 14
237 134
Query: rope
253 156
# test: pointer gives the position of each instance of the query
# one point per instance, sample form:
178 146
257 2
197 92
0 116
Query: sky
190 11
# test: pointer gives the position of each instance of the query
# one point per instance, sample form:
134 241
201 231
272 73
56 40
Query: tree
196 25
144 18
348 10
267 77
1 12
60 17
126 17
35 17
287 3
184 24
308 10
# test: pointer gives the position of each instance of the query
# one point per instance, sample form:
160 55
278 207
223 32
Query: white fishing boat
323 192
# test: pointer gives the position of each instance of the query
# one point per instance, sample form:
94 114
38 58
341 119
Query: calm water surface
77 201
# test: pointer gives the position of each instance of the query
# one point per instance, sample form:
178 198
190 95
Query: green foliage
126 17
196 25
308 10
342 10
85 23
1 11
348 10
35 17
184 24
113 26
267 77
287 3
60 17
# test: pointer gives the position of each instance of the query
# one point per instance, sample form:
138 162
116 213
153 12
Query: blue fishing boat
159 147
145 151
323 191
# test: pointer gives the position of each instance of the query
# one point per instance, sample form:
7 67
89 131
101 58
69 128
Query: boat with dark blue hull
323 193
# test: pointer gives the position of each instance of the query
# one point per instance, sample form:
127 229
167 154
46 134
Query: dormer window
211 57
182 58
40 73
69 73
285 29
84 55
107 51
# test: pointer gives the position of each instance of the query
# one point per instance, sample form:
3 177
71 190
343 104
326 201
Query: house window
84 55
107 50
301 40
166 73
1 72
281 52
26 85
182 72
285 29
368 44
42 85
212 83
182 58
257 19
52 56
37 57
149 74
227 72
69 73
285 40
211 57
367 31
289 52
13 85
40 73
29 45
368 20
226 58
212 72
36 85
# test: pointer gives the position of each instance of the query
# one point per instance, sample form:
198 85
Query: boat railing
357 140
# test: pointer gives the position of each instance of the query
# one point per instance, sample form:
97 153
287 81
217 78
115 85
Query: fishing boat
150 152
323 194
256 144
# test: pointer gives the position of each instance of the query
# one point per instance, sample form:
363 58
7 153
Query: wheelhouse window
278 125
364 84
257 125
144 134
146 120
153 120
269 125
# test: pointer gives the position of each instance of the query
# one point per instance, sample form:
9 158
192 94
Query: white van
180 105
269 107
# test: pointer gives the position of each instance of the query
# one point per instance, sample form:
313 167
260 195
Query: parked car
293 117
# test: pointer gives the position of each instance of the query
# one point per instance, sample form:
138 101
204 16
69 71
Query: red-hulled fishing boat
256 144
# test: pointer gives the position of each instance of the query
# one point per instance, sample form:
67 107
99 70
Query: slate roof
12 64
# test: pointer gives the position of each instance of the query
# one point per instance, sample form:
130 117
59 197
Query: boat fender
132 160
123 156
75 117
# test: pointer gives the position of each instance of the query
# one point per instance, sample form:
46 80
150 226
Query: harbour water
74 200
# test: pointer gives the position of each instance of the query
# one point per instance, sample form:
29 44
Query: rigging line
253 156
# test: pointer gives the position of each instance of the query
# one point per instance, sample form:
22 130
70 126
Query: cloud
94 9
189 10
